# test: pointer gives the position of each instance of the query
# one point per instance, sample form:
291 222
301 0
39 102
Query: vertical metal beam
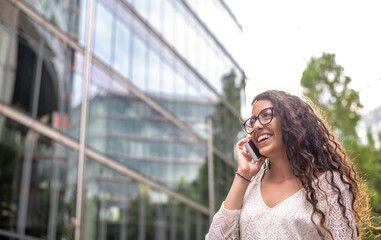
210 169
84 110
37 79
54 195
25 183
142 217
29 146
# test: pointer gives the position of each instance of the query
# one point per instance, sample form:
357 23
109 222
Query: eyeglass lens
264 117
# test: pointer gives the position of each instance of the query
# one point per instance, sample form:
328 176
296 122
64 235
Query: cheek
278 134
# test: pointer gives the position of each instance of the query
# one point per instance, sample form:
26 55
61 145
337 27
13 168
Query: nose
257 125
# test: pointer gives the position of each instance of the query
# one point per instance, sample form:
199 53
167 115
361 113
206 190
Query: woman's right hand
247 167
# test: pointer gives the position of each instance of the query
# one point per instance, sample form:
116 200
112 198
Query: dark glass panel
52 196
25 74
12 146
38 183
223 178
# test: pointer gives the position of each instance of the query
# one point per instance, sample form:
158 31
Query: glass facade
107 109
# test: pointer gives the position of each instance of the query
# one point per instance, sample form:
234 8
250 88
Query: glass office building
118 118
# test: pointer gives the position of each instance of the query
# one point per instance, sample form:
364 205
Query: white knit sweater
290 219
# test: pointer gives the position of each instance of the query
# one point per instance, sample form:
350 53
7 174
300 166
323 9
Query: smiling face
267 138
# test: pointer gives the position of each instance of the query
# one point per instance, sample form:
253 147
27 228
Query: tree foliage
324 82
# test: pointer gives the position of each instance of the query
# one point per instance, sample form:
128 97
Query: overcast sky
281 36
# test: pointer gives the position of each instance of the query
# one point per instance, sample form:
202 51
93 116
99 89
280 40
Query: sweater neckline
282 202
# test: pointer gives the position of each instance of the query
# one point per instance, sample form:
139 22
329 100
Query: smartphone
253 150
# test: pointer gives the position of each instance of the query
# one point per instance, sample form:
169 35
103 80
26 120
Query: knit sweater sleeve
225 225
341 227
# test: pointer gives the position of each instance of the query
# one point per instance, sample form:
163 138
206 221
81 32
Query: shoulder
332 184
334 179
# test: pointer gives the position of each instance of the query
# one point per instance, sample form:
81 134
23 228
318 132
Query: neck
280 168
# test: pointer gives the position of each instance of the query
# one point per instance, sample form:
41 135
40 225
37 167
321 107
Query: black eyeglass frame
255 118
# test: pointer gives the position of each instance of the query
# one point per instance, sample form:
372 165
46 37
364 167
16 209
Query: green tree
324 82
373 170
140 216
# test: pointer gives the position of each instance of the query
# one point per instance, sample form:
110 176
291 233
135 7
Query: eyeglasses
264 117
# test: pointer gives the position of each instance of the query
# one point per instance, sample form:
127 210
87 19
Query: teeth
263 137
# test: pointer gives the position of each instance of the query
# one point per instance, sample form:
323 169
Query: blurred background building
371 123
118 118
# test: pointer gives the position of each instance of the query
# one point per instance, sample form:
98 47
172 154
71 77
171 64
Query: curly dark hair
312 149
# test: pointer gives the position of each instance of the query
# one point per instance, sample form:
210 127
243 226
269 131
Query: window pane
168 22
168 80
103 31
155 15
142 7
154 72
24 82
122 49
139 63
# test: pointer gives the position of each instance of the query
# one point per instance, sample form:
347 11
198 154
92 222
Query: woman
311 189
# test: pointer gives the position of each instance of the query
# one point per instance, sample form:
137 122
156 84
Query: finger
243 141
246 155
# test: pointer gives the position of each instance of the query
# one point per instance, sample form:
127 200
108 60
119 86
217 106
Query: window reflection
181 86
139 63
154 72
23 84
122 49
38 184
66 15
103 32
181 31
127 129
143 7
169 22
44 81
12 142
125 209
155 18
168 80
8 59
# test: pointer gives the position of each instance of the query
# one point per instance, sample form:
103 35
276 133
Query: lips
263 137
